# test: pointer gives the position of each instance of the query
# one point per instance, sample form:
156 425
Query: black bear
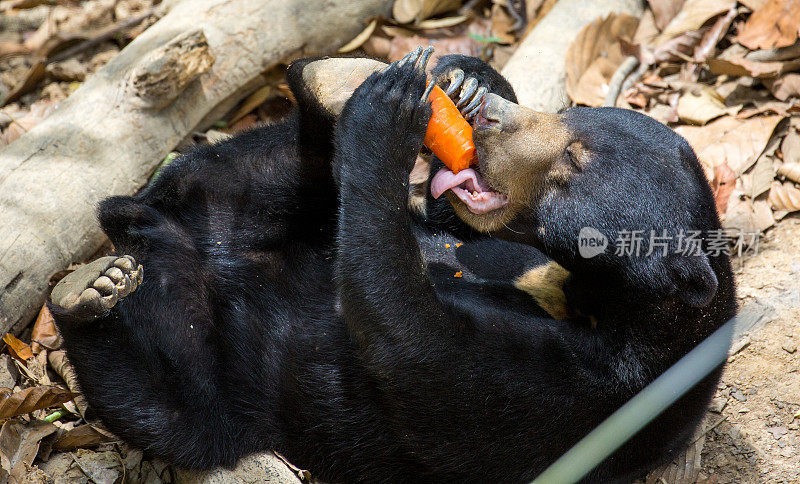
280 290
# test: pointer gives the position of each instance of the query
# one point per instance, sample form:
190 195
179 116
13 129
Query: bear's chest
440 251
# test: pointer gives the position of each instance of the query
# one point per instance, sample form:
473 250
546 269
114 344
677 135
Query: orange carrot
449 135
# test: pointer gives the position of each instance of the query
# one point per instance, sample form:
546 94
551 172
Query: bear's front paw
386 118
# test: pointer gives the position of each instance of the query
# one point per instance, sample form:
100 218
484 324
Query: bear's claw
456 77
470 94
95 288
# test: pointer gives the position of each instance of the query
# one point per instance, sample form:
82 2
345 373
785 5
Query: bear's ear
694 279
329 82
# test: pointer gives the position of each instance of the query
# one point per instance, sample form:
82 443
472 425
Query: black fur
283 310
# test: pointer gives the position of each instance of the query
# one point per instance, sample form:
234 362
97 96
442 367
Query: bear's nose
501 114
494 108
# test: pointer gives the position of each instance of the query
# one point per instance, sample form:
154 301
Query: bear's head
622 184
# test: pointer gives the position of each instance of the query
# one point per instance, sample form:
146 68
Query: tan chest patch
545 284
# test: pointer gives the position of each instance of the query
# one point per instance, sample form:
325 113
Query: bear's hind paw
95 288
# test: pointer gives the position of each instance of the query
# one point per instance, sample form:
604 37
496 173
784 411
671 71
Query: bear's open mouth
470 188
468 184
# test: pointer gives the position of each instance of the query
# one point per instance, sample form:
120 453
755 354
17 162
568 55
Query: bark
108 137
536 70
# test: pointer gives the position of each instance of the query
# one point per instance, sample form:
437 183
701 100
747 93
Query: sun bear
281 289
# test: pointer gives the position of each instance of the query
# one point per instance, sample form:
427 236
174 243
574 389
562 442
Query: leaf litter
725 79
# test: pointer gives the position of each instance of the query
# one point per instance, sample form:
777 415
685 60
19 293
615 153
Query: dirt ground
753 428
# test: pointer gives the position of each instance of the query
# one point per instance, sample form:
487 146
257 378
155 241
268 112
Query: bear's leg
146 351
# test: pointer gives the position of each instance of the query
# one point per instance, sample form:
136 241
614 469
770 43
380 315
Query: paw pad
99 285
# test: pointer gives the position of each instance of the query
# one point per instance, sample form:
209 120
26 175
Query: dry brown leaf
678 48
594 40
701 105
790 171
784 196
19 444
777 107
69 70
594 83
17 348
663 113
636 98
593 57
253 101
32 78
397 31
101 467
646 31
35 369
664 11
790 147
746 215
712 36
762 215
501 55
70 22
61 365
729 140
739 66
667 113
758 179
519 10
30 399
654 80
22 124
740 91
722 185
775 24
693 15
440 23
248 121
784 87
8 372
406 11
359 39
45 334
81 437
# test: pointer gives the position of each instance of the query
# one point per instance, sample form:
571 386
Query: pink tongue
475 194
445 179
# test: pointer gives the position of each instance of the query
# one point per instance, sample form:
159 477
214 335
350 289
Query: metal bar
641 409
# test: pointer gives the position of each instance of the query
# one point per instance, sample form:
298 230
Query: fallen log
107 138
264 467
536 69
